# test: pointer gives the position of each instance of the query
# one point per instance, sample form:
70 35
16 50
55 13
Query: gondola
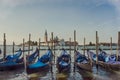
63 62
101 58
107 62
92 56
82 62
15 62
42 64
110 63
12 57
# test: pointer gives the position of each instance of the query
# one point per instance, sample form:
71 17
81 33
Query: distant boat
14 62
82 62
42 64
63 62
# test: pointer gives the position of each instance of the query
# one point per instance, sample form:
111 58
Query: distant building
56 41
68 43
107 44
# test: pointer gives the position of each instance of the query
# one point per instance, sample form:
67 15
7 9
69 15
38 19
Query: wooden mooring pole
97 51
74 48
4 46
52 50
29 44
52 41
84 47
118 46
23 46
111 45
24 56
13 50
70 46
53 45
39 46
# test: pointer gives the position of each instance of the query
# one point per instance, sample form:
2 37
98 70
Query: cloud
116 4
12 3
7 6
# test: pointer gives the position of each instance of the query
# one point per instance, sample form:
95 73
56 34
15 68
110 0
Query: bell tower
46 36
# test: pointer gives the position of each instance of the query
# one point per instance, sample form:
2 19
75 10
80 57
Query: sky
18 18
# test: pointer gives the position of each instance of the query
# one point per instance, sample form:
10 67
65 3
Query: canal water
20 74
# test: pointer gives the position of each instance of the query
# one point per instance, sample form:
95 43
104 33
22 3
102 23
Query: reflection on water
86 75
10 75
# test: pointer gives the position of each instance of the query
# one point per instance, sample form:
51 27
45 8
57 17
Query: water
20 74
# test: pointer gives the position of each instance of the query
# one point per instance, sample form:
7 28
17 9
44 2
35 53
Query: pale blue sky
18 18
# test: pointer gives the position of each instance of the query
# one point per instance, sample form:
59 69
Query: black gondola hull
38 70
12 67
